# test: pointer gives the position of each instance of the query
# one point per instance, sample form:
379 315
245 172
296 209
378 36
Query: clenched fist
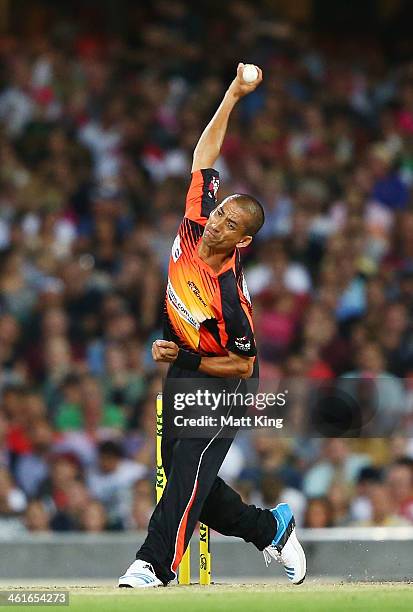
164 351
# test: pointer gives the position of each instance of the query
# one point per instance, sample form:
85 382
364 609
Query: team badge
243 343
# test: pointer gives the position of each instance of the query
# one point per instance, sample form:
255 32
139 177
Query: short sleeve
235 326
202 195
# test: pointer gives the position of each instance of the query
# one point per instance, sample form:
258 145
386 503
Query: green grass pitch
312 596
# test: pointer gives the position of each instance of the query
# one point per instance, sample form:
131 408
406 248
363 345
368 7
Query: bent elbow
242 367
246 369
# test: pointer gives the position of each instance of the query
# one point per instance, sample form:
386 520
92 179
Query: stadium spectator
96 136
339 496
36 517
92 414
318 513
32 468
383 511
69 517
360 509
12 499
112 479
142 505
94 519
337 465
65 469
399 479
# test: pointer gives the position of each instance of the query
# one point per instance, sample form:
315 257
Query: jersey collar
227 266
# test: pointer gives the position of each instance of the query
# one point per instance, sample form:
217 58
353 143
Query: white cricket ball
249 73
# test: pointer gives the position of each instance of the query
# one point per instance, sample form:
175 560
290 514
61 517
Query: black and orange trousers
194 492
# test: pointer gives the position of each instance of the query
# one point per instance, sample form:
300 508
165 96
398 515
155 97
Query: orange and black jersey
206 312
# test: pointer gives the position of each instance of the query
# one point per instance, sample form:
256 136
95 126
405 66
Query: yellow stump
160 472
184 574
204 555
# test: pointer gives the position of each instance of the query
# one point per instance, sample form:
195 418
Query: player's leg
271 531
225 512
195 464
167 529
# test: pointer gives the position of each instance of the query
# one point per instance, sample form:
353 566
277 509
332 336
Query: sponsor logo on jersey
243 343
176 249
180 307
213 187
195 290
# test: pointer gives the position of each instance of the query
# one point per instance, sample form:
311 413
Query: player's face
226 227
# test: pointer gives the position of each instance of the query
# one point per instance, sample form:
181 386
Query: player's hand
164 351
239 87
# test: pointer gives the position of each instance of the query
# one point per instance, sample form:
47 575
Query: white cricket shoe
139 575
285 547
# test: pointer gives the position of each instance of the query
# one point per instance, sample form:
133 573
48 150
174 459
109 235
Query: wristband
187 360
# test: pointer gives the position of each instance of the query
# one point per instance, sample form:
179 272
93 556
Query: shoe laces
149 566
269 557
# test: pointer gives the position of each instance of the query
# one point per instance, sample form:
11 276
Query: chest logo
195 290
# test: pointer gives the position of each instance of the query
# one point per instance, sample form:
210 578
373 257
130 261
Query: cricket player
209 333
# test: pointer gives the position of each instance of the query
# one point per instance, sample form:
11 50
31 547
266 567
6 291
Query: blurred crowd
96 138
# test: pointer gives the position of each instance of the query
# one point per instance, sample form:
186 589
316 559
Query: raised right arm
209 145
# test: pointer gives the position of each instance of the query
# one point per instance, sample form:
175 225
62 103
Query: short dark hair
254 209
405 462
111 448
